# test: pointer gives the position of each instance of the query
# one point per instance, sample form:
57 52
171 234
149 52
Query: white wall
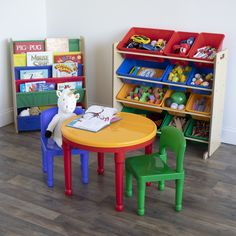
106 21
25 19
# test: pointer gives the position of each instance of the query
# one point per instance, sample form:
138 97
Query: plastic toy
147 94
202 79
66 106
141 39
179 74
169 101
179 97
143 42
183 47
206 52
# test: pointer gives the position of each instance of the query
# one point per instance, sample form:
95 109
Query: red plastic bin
153 34
175 39
207 39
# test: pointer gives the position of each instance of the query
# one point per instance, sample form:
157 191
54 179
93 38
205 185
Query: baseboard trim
229 136
6 117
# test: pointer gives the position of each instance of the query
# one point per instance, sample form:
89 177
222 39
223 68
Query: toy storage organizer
125 60
42 99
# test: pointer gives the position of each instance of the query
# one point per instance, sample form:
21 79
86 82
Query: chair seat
150 166
50 145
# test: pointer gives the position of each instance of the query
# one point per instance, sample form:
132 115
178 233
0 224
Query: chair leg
84 166
128 183
161 185
50 161
178 194
141 197
44 161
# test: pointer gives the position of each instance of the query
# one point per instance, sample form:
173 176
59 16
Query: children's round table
130 133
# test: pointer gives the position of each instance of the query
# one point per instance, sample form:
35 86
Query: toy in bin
143 42
201 104
177 100
183 47
179 122
201 79
147 94
206 52
179 74
201 129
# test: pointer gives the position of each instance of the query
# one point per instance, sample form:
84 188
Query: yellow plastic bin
125 91
199 103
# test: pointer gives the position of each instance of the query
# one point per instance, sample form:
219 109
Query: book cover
67 69
28 46
30 86
19 60
68 57
39 58
33 74
40 87
70 85
74 45
57 44
95 118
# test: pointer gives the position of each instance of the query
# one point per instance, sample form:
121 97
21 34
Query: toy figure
66 106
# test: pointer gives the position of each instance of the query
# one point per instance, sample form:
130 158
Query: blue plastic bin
177 88
200 71
128 64
28 123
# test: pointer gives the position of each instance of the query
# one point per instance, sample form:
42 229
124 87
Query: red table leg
148 150
119 163
100 168
67 168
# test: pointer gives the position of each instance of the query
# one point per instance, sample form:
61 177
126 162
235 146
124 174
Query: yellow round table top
131 130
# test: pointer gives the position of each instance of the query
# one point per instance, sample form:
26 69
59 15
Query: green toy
179 97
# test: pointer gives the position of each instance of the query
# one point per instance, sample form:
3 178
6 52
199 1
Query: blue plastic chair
50 148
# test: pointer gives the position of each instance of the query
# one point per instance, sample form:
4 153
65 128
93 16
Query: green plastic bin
188 132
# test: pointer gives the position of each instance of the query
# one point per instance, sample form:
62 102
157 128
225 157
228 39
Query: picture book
45 87
95 118
68 57
28 46
74 45
33 74
30 86
39 58
19 60
70 85
146 72
67 69
57 44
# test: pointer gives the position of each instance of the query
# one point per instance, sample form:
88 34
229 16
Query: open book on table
95 118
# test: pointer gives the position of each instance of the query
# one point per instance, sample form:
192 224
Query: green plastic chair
154 168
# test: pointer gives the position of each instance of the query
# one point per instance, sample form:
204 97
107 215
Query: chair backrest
173 139
47 115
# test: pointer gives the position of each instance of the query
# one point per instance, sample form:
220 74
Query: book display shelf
39 68
141 68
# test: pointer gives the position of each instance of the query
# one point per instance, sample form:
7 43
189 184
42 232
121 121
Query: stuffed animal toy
34 111
66 105
25 112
